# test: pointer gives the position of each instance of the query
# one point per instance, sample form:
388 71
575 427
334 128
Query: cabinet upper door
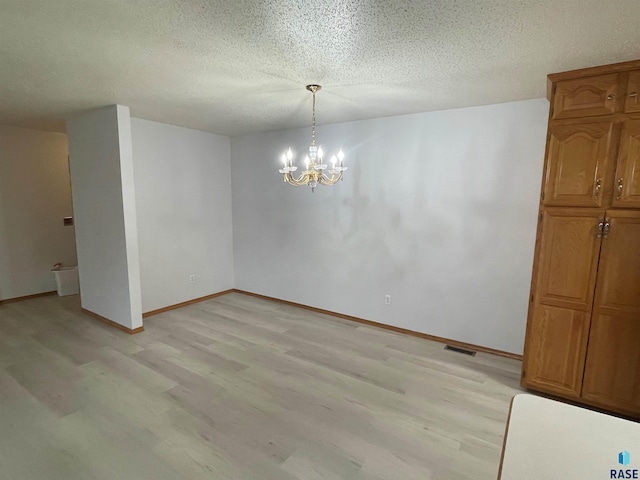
632 102
627 182
558 328
612 372
578 157
586 97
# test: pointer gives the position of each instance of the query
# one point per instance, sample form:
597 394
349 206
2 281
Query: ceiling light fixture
313 173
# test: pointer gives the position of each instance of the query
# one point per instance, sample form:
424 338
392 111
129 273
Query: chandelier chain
313 120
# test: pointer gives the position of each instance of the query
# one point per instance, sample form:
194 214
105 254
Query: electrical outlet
387 299
192 278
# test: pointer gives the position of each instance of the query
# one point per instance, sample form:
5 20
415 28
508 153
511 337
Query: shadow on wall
445 225
387 217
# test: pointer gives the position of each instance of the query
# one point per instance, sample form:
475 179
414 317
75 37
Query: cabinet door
578 157
626 191
558 328
632 102
586 97
612 372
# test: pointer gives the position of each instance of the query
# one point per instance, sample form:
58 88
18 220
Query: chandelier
313 173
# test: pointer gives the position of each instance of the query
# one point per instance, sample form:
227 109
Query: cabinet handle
620 185
633 94
611 97
605 230
600 227
596 190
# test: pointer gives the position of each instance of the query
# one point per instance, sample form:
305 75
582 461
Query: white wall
35 195
437 209
183 192
101 166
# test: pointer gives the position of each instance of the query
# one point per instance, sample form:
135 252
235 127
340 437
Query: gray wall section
101 168
437 210
183 201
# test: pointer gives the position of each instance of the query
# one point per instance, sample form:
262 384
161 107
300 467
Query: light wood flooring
241 388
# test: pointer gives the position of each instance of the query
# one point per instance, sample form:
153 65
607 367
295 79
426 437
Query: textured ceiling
238 66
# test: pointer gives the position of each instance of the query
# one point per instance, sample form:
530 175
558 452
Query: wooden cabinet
577 164
555 361
586 97
627 178
632 102
613 357
583 330
613 364
618 288
559 327
568 257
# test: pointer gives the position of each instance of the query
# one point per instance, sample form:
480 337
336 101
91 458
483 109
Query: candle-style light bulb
289 154
340 155
333 161
320 153
306 161
284 160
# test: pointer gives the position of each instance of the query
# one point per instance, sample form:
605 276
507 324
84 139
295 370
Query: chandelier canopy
313 174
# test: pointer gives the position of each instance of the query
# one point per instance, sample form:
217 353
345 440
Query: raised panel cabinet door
612 368
586 97
632 102
626 192
576 169
558 326
618 284
612 374
555 350
568 257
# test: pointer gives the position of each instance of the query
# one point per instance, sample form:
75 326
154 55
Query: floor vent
464 351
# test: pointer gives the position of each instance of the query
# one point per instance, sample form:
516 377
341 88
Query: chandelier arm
324 180
298 182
